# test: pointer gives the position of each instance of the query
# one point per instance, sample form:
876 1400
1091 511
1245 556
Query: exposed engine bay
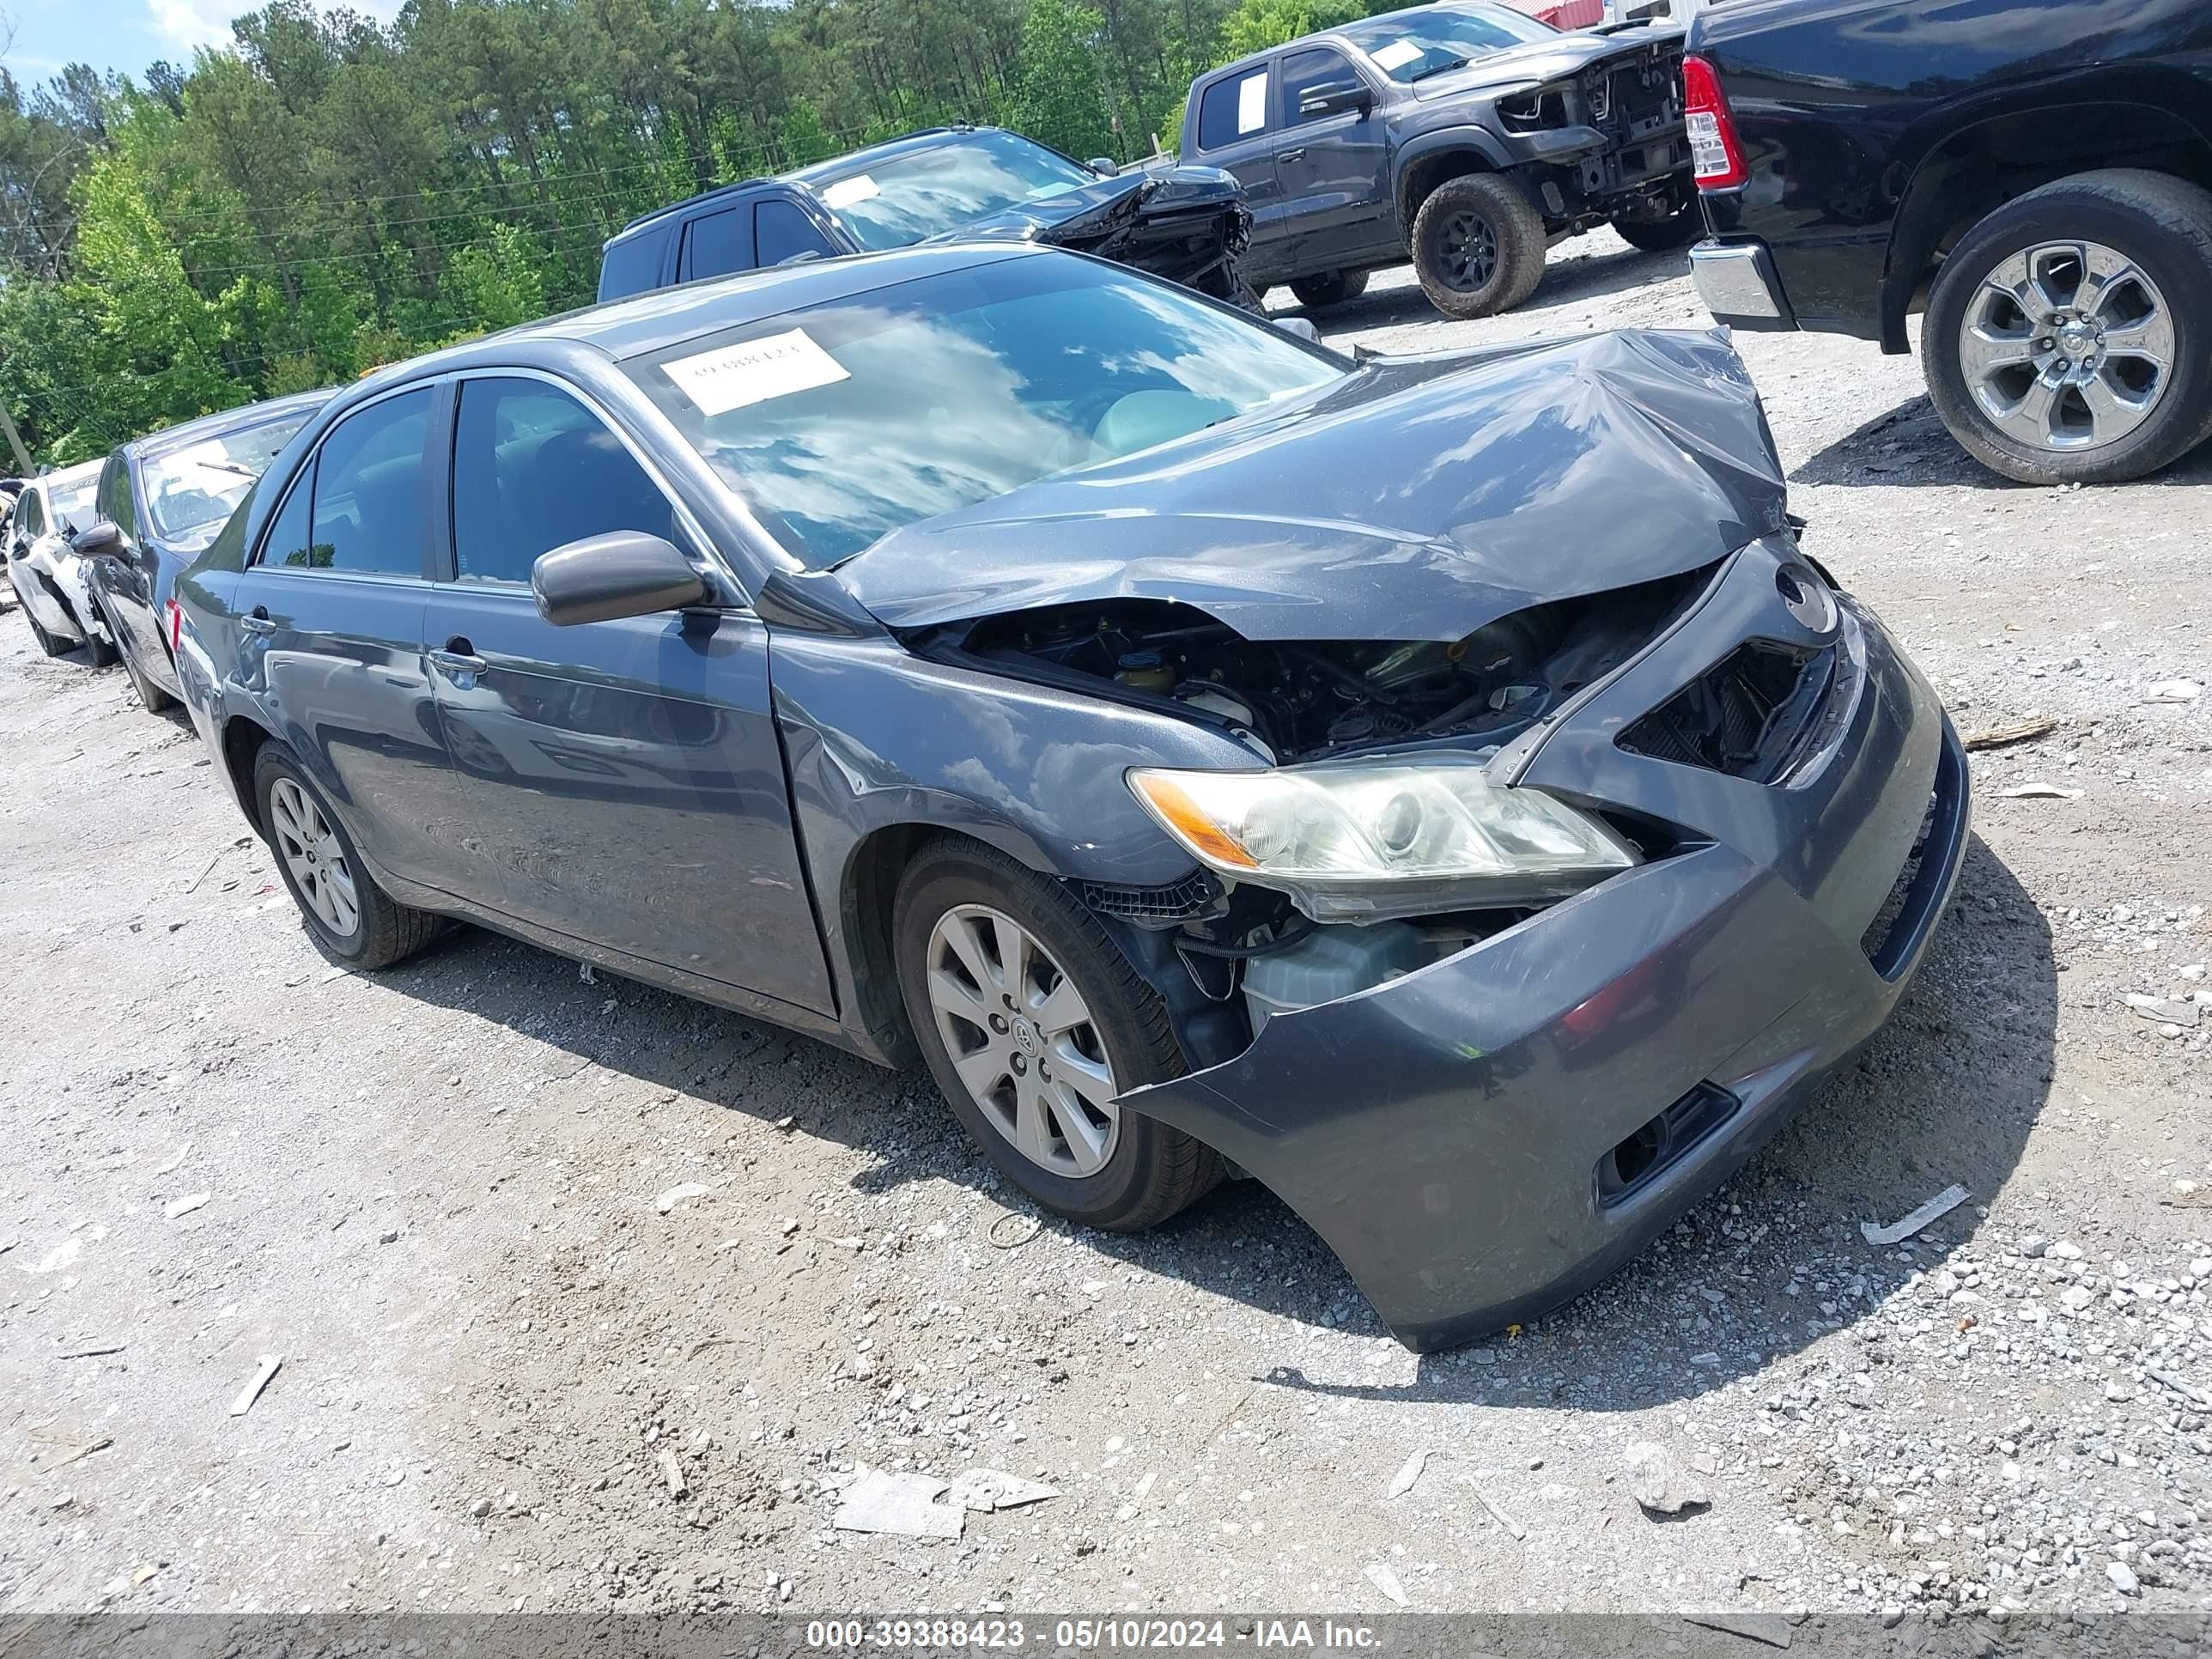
1303 700
1229 957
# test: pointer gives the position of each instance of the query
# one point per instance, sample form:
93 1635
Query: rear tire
2030 375
324 875
1477 245
1122 1037
1331 287
1677 229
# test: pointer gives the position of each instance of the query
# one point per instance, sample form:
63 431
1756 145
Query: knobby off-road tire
1677 229
1331 287
950 949
2068 336
1477 245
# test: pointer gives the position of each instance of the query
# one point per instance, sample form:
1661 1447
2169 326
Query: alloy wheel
1022 1041
2067 346
310 849
1467 250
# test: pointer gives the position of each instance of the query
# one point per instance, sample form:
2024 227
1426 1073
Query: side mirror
1104 166
1332 96
1300 327
103 541
625 573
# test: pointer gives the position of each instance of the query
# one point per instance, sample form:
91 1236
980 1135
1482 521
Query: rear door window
1232 109
367 511
716 244
533 470
287 542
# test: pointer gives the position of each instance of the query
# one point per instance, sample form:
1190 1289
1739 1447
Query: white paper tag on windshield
846 191
774 366
1252 103
1396 55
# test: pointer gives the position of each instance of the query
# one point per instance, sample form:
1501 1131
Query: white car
49 578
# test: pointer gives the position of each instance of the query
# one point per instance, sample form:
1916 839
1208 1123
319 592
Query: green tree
1060 97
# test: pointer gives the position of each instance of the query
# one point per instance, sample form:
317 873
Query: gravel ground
433 1194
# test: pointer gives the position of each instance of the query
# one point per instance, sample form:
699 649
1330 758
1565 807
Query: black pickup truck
1464 135
2031 174
1187 224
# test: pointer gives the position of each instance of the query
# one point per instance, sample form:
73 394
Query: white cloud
189 23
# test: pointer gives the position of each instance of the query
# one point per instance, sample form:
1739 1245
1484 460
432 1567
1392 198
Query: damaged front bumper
1189 225
1484 1139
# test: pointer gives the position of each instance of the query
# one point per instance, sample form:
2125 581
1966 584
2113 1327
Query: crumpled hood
1541 61
1094 210
1417 499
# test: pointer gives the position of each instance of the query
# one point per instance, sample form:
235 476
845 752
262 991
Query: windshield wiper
1438 69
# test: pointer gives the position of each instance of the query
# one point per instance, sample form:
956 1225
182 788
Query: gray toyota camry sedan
1439 787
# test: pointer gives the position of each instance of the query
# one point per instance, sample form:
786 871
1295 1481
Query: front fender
1480 140
876 738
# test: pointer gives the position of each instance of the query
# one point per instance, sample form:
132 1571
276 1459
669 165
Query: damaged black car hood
1088 214
1540 61
1417 498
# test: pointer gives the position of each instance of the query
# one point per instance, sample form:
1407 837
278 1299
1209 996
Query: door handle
1297 155
459 657
257 621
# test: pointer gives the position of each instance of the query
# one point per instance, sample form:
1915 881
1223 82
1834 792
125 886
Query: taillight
1714 151
176 620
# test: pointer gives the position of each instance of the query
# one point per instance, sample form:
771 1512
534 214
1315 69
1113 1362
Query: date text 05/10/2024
1085 1635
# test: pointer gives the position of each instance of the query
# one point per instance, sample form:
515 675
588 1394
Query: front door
625 779
1334 168
1236 134
331 615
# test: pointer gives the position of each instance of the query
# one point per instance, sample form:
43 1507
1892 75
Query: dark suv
2031 176
1466 136
1187 224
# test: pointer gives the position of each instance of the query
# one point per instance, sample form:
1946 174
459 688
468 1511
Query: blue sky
123 34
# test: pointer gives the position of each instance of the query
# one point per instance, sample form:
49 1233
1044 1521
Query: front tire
1477 245
353 921
1033 1024
2068 336
47 643
1330 287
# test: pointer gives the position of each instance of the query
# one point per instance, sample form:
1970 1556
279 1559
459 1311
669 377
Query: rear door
330 611
1334 168
623 779
1236 132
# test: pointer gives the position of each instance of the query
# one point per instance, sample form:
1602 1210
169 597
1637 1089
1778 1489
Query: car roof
70 477
648 323
1339 32
242 418
926 138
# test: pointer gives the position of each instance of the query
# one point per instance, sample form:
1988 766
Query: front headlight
1358 841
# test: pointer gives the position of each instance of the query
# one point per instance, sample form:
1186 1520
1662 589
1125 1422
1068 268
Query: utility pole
15 442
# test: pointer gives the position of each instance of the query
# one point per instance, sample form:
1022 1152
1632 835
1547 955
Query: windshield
70 506
898 201
843 423
1409 45
192 492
